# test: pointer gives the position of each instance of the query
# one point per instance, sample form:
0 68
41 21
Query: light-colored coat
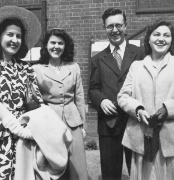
63 93
45 156
142 87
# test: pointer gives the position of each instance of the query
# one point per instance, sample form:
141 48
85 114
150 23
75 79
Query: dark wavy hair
112 12
149 31
68 54
23 49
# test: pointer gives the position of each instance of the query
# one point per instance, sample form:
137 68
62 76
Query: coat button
61 93
60 86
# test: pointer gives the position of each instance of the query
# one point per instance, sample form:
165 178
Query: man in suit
108 72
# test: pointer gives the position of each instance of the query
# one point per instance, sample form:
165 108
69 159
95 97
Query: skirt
160 169
77 166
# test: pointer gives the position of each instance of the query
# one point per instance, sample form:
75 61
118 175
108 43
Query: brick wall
19 2
156 3
82 20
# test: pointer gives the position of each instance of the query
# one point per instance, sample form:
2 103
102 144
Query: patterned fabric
13 78
118 58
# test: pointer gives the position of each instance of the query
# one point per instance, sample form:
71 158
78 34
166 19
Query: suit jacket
143 88
106 81
63 93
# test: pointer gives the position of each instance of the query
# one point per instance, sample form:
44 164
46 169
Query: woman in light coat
60 84
148 97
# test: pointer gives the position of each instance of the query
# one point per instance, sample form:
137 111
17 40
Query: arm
95 94
97 97
32 78
10 122
169 105
79 97
125 97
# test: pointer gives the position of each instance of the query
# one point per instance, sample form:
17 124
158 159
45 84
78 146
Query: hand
162 114
108 107
43 105
14 126
143 116
10 122
153 121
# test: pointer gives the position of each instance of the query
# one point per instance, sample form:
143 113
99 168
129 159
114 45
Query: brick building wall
82 20
156 3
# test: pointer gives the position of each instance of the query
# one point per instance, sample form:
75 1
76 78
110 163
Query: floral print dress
13 79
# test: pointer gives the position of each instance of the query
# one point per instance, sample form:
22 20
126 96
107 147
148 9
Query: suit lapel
50 72
129 57
109 60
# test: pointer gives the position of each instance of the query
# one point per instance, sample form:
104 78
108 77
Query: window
40 11
154 6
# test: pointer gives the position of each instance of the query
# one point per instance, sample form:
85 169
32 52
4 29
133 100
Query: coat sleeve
79 97
95 93
169 104
126 96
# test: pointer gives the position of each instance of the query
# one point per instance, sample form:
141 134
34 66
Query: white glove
14 126
9 121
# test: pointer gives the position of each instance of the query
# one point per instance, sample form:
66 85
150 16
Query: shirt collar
121 46
14 65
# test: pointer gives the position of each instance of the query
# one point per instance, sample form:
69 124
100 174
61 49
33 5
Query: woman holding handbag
60 84
148 97
19 32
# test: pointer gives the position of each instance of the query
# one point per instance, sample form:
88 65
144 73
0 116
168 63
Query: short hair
151 28
68 54
112 12
14 21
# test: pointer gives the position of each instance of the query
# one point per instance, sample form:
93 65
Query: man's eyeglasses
110 27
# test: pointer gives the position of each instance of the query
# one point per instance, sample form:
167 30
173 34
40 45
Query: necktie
118 58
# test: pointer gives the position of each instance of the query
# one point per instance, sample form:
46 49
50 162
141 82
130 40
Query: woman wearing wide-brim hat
19 32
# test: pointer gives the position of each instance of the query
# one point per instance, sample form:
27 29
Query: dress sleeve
79 97
32 78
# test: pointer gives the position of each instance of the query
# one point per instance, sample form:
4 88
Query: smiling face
116 35
160 41
55 47
11 40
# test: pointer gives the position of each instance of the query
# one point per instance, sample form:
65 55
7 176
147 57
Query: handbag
151 138
31 101
151 145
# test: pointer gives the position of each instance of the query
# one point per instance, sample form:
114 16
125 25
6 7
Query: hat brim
28 19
